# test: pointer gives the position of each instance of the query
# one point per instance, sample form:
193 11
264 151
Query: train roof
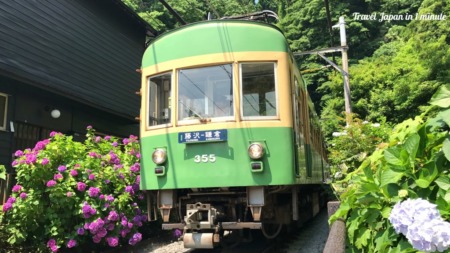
214 36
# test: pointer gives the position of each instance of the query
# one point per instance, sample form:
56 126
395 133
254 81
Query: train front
216 138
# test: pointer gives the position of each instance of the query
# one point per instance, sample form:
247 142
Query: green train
229 137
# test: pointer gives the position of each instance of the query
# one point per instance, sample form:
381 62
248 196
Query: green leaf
412 145
446 148
423 182
390 176
445 116
394 156
443 182
364 236
442 97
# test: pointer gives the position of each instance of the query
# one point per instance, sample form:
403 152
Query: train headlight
159 156
255 150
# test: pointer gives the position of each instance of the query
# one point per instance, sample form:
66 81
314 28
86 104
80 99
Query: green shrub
415 164
71 194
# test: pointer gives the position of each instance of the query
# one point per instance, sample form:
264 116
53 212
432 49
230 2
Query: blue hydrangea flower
422 224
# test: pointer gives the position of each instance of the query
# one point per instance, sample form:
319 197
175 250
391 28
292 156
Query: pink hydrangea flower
81 186
18 153
73 173
51 183
23 195
58 177
45 161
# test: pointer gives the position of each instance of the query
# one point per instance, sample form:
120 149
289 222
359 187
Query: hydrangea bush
414 165
70 194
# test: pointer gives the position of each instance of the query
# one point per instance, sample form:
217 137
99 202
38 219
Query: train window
205 92
258 97
159 88
3 110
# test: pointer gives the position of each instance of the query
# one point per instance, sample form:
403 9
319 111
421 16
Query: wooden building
67 64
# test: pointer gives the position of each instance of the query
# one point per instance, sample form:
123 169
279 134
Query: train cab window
159 89
258 97
205 92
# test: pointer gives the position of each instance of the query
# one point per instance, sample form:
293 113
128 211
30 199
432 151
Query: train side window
159 90
258 86
3 110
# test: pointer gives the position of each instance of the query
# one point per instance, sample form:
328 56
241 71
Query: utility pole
344 70
348 107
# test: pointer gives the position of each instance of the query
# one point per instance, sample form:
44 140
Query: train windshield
205 93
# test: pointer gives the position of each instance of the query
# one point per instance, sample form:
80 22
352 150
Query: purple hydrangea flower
51 183
135 167
113 216
110 226
109 198
177 233
23 195
96 239
51 242
71 243
41 145
91 177
107 138
88 211
30 158
6 207
102 232
114 144
17 188
125 141
129 189
18 153
62 168
112 241
137 237
80 231
93 191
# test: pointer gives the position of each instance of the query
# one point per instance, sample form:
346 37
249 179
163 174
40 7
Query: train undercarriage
210 217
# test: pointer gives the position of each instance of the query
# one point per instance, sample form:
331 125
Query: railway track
310 238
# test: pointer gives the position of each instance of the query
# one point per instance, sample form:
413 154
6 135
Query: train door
299 152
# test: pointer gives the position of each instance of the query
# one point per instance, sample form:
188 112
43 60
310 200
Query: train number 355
205 158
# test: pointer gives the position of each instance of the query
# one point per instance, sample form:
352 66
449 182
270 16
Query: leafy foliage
351 146
415 164
70 193
396 82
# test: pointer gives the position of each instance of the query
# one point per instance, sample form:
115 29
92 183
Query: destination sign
203 136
